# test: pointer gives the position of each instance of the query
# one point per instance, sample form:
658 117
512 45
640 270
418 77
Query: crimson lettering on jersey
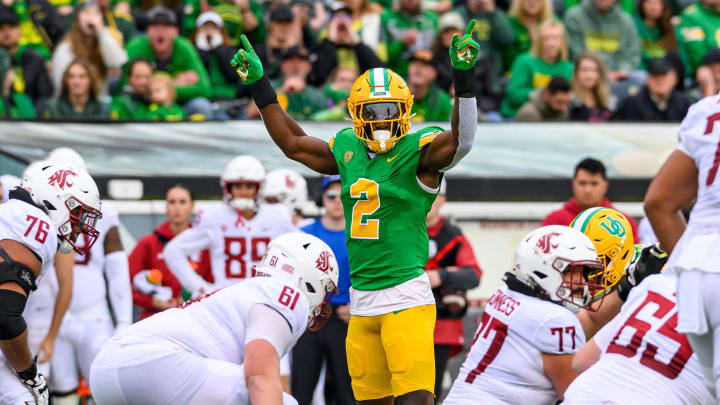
643 322
503 303
236 250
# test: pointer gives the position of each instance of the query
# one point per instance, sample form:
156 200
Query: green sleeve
520 84
569 3
630 48
257 35
186 58
628 6
22 106
118 109
694 46
575 32
394 46
445 110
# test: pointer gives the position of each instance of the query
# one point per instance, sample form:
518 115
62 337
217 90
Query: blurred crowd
540 60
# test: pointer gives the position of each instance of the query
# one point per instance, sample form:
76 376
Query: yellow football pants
392 354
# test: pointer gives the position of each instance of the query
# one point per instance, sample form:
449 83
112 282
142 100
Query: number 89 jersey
385 207
504 365
644 359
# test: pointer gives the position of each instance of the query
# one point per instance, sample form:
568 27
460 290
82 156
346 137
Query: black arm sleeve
12 323
367 59
464 278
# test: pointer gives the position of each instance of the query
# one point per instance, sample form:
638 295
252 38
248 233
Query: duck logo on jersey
323 262
546 243
348 156
60 178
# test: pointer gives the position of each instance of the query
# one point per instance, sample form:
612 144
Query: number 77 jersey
644 359
504 365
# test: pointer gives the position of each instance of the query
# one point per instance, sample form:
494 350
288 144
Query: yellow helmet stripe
581 221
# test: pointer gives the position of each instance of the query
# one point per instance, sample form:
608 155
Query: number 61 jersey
504 365
644 359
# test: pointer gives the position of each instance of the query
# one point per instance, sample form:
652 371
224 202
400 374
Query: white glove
36 383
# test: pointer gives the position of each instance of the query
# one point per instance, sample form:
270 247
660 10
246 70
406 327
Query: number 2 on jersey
369 202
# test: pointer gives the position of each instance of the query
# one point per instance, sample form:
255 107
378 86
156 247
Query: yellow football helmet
380 96
612 235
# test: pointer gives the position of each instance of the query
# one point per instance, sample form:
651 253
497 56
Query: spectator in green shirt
405 31
295 95
547 58
78 97
121 26
162 93
134 102
493 32
430 102
213 45
699 29
657 35
601 26
13 104
525 17
175 55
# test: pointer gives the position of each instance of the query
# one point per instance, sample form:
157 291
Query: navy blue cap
329 180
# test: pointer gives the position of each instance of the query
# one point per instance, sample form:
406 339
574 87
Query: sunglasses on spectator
331 195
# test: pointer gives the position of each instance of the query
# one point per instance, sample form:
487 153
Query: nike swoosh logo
397 312
392 158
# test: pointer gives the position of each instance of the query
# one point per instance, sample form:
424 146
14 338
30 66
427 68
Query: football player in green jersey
390 178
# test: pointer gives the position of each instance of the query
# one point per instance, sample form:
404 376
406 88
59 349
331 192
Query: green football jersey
385 209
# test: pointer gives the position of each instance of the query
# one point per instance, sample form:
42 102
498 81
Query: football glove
464 50
652 259
247 64
36 383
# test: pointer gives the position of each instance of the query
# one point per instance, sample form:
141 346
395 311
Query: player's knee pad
357 366
12 323
396 349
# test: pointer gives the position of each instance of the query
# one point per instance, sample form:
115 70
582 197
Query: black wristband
464 81
262 92
31 372
624 288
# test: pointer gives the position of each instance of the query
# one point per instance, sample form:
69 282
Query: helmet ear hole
539 274
309 287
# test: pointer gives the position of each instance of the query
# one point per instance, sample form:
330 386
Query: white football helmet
71 199
287 187
245 169
547 254
307 263
67 155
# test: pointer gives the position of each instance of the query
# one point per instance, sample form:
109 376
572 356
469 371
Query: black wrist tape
464 81
31 372
262 92
623 288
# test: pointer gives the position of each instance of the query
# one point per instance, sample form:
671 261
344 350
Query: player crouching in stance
54 204
225 347
523 350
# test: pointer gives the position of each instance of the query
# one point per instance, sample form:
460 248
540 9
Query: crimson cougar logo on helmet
546 242
323 261
289 181
60 178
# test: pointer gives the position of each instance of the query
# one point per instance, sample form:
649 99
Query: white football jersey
88 269
644 359
699 138
29 225
236 244
504 365
214 325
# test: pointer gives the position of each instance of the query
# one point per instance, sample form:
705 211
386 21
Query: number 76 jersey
644 359
504 365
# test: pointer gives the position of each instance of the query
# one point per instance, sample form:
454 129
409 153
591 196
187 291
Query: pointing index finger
470 27
246 43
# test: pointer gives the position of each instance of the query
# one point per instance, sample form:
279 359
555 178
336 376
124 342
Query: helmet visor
380 111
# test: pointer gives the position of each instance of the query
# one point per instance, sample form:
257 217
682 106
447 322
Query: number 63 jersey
644 359
504 365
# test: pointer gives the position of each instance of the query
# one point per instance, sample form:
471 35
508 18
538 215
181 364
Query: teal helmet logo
613 226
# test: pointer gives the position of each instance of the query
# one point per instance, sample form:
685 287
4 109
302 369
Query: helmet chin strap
243 204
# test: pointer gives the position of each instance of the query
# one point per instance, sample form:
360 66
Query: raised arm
292 140
450 147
